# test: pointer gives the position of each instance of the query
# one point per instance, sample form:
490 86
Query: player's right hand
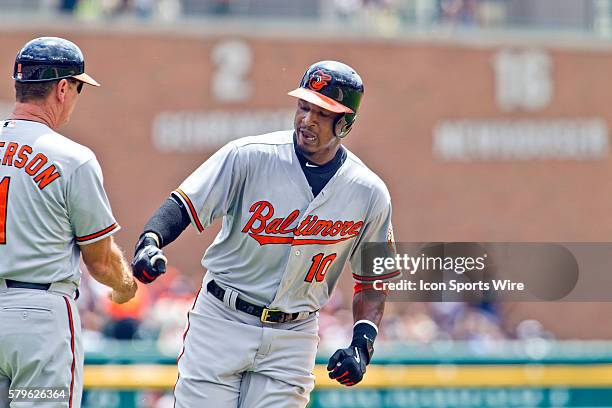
347 366
149 261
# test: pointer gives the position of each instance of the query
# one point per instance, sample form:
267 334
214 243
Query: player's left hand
347 366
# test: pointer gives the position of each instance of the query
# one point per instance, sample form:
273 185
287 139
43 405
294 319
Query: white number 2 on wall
232 60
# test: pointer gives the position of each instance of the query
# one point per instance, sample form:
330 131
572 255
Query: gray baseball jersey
279 246
51 200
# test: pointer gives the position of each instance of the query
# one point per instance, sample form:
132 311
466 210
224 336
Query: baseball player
296 206
53 208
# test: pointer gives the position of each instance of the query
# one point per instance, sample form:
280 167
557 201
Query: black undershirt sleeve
169 221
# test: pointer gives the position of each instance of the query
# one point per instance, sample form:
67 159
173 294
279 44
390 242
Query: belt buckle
265 313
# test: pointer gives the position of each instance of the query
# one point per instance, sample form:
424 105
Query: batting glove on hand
347 366
149 261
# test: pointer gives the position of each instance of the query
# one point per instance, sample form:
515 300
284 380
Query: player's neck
321 157
35 113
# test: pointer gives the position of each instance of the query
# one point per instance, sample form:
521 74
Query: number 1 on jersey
320 266
4 189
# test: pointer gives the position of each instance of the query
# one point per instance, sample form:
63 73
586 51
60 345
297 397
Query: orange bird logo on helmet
318 80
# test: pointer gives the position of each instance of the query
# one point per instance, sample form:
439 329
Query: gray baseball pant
40 344
233 360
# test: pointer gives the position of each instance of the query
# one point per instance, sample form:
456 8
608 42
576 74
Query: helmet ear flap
344 124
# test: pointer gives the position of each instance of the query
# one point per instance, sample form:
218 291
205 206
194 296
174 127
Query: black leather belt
26 285
265 315
29 285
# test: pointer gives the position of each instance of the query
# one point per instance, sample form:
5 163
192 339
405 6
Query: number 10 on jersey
320 266
4 189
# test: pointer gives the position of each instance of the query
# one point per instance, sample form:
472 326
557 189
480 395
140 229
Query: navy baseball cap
331 85
49 59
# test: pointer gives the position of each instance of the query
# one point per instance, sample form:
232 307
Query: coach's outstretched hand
149 261
125 295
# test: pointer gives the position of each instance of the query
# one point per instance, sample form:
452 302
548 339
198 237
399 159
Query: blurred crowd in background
388 18
159 314
385 17
386 12
466 12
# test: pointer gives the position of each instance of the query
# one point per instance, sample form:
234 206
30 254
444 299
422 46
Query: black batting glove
149 261
348 365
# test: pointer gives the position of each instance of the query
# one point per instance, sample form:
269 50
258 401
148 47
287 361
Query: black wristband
364 335
170 219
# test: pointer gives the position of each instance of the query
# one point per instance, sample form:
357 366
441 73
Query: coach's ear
61 90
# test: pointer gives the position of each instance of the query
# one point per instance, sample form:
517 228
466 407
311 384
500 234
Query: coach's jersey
279 246
51 200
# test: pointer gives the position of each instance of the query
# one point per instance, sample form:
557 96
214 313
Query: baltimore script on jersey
30 161
263 211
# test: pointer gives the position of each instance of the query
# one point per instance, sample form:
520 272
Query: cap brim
320 100
87 79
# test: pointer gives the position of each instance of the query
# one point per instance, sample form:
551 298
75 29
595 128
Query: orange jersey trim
71 324
360 287
97 234
194 214
375 278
